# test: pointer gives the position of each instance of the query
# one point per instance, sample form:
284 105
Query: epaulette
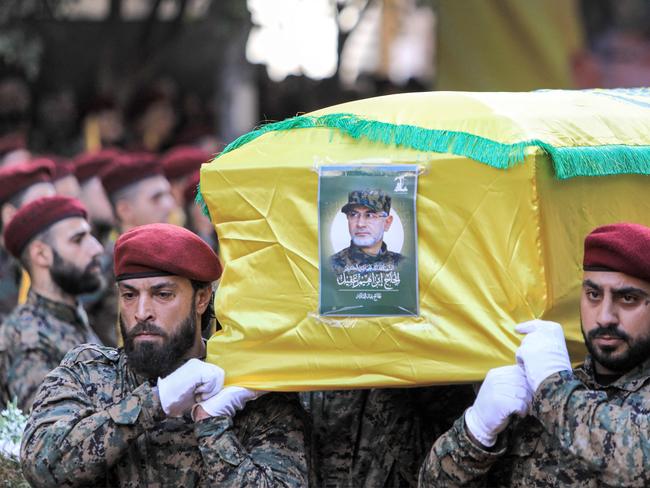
90 352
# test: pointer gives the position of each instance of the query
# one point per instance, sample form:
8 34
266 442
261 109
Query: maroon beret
18 177
91 164
129 169
62 168
622 247
183 160
36 216
189 192
164 249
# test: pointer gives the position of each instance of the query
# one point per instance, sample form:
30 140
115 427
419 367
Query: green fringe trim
198 200
606 160
568 162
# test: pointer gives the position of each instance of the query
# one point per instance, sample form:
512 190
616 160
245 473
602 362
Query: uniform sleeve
455 460
67 442
269 451
612 440
26 372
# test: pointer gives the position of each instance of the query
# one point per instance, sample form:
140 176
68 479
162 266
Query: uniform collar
60 311
630 381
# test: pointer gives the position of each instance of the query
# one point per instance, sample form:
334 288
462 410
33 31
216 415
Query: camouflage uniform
33 341
378 438
10 275
353 259
96 423
580 434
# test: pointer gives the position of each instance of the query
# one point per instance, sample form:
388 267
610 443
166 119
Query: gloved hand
504 392
194 381
229 401
543 351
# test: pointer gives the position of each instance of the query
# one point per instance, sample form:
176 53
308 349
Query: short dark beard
157 359
638 350
73 280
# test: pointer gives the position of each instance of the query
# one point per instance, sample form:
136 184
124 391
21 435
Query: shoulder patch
90 352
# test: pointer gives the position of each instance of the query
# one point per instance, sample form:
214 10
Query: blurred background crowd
78 75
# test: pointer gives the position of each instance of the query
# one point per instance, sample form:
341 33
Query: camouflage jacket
96 423
353 259
33 341
378 438
10 275
580 434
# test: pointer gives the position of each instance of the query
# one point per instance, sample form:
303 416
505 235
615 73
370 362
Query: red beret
183 160
18 177
36 216
622 247
91 164
164 249
189 192
129 169
62 168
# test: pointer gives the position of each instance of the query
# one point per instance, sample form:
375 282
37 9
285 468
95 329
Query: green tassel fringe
568 162
198 200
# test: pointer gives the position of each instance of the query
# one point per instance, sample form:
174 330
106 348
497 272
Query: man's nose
168 202
607 312
144 311
96 248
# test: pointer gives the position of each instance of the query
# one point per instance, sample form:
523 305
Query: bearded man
51 238
541 423
154 413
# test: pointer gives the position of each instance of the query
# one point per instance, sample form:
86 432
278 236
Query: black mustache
147 328
610 330
94 262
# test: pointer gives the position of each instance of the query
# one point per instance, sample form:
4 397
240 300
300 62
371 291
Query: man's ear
8 211
202 299
40 254
388 222
123 210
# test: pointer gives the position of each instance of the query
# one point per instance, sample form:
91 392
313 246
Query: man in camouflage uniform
368 214
540 423
52 239
130 417
20 183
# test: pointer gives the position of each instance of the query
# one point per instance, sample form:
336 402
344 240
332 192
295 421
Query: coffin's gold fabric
495 247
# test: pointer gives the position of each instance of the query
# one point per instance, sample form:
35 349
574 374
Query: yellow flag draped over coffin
510 184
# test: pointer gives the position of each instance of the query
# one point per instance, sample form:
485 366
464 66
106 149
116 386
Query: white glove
504 392
194 381
229 401
543 351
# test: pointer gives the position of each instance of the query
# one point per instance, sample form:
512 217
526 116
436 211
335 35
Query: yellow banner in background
499 235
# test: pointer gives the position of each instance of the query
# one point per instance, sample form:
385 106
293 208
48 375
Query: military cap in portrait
376 200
